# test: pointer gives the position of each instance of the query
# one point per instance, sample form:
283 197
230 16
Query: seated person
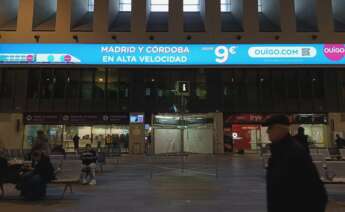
3 168
9 173
89 159
34 180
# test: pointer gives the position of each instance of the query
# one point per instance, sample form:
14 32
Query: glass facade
99 136
154 90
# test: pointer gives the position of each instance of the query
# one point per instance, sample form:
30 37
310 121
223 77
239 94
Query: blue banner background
197 54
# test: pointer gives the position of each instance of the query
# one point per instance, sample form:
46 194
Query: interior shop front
100 130
245 131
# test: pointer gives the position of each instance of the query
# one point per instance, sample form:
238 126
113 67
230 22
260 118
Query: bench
68 183
334 181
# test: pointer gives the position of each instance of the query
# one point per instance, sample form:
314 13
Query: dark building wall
152 90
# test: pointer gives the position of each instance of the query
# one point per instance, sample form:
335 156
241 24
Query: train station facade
111 68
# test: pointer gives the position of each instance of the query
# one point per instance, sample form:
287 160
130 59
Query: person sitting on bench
3 167
89 159
35 179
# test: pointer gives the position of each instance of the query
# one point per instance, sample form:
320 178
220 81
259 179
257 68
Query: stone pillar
63 16
250 17
136 138
100 23
11 130
212 19
139 16
287 16
176 20
25 16
324 16
218 129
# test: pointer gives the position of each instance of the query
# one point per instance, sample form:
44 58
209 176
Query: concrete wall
43 9
8 10
11 131
338 7
79 9
271 9
100 33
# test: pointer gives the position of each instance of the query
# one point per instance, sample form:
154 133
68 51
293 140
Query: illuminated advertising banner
173 54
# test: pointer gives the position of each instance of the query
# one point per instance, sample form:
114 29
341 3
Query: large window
259 6
125 5
91 5
191 5
225 5
159 5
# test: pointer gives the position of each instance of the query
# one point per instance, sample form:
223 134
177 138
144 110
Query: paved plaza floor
163 184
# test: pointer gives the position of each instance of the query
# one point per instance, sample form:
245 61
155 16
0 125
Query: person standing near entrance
340 142
41 144
293 182
302 138
76 140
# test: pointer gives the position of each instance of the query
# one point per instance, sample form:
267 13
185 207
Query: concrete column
324 15
212 19
100 23
139 16
11 130
287 16
176 16
250 17
136 138
218 130
63 15
25 16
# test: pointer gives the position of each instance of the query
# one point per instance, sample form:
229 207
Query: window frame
188 4
91 5
125 5
260 6
162 5
225 6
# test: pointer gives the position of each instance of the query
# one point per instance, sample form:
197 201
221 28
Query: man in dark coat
34 182
302 138
293 183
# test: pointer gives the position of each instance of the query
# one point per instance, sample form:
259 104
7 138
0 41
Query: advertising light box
173 54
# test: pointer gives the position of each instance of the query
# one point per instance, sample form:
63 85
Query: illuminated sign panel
173 54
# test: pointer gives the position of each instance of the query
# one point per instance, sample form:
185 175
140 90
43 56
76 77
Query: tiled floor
237 185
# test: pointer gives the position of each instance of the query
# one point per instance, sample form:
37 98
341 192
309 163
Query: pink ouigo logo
334 52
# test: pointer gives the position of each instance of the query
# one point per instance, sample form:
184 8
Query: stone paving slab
127 187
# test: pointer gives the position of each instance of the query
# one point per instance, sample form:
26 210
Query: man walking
293 183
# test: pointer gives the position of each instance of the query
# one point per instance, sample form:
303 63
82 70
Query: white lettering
167 50
118 49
